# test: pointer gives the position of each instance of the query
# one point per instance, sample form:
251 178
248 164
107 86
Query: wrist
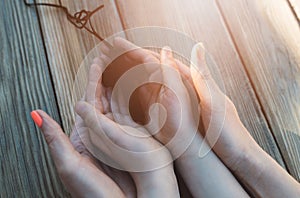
157 183
192 151
250 163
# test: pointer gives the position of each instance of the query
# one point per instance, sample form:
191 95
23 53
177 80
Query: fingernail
200 51
197 55
37 118
167 51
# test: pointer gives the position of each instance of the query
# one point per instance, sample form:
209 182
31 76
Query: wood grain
295 4
25 84
202 21
67 46
267 36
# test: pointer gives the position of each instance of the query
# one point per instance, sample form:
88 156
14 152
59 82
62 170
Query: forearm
264 177
157 183
207 176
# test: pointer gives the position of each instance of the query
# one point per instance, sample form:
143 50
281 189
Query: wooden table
255 43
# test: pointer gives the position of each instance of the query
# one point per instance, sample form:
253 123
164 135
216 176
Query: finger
138 54
134 51
155 54
119 106
105 49
78 124
171 75
99 123
100 62
120 110
205 85
59 144
182 68
184 71
103 96
66 160
79 137
106 99
97 61
108 93
94 87
105 59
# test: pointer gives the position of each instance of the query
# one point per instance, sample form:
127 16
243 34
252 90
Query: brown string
79 19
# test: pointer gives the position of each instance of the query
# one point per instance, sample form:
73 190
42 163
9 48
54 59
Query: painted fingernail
36 118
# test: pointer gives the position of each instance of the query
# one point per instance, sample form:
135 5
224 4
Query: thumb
135 52
205 85
59 144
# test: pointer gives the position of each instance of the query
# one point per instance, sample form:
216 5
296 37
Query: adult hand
96 179
230 139
78 172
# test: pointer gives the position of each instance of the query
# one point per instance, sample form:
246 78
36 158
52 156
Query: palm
121 178
148 94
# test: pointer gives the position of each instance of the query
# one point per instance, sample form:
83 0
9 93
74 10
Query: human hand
180 118
231 141
117 178
108 136
121 178
169 91
78 171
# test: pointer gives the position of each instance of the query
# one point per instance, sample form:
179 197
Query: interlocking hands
161 126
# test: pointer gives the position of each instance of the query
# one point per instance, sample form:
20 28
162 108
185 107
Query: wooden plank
295 4
67 46
26 167
203 22
267 36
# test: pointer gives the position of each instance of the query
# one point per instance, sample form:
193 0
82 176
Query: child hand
128 144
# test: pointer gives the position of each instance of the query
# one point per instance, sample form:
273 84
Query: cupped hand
223 129
121 178
229 138
180 108
129 146
170 91
78 171
81 173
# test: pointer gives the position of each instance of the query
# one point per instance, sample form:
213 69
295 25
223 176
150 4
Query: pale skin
79 174
103 123
207 177
192 168
235 147
82 174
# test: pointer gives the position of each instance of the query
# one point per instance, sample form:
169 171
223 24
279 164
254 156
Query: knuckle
53 137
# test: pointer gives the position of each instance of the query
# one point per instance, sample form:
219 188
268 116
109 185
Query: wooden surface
255 45
206 25
26 167
268 41
67 46
295 5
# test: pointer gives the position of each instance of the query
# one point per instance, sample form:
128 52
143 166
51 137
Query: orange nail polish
36 118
